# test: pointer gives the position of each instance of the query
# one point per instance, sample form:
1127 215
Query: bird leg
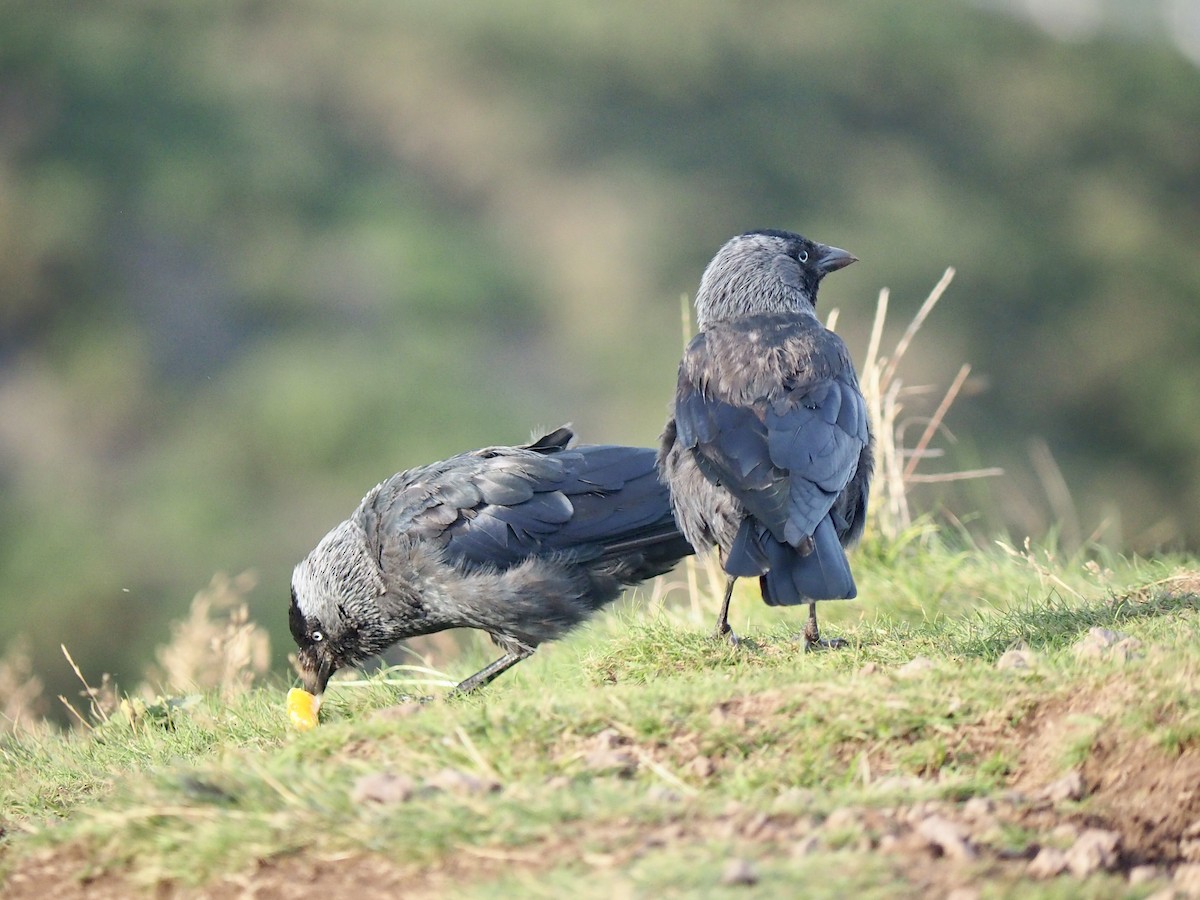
488 673
812 636
724 632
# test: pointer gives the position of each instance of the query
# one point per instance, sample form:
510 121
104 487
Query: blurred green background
256 256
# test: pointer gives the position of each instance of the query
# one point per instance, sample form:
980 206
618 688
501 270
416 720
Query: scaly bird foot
724 633
814 641
825 644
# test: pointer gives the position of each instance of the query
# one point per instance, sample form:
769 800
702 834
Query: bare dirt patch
1053 728
1150 797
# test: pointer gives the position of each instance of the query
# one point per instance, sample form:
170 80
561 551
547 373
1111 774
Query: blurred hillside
256 260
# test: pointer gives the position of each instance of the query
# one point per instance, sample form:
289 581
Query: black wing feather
497 507
780 423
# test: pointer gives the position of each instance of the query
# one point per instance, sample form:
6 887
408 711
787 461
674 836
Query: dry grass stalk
1057 492
101 701
216 646
1047 575
895 464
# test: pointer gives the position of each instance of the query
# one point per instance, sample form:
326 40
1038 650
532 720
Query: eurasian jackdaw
522 542
767 451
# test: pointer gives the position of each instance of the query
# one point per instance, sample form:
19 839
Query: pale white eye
803 256
318 636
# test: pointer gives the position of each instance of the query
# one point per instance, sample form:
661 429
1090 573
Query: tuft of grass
216 646
642 732
897 455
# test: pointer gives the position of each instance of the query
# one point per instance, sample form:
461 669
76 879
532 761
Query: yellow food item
302 709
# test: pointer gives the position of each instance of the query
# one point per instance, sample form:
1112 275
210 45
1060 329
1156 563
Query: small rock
669 834
720 714
608 739
899 784
914 813
654 841
1095 849
454 781
915 667
1104 636
842 817
1189 850
1019 660
758 823
804 826
383 787
1065 834
1143 874
923 809
702 767
948 836
1126 650
614 762
607 752
739 872
1094 644
1069 787
599 860
979 808
794 798
806 846
1187 879
1011 797
1048 863
869 668
661 794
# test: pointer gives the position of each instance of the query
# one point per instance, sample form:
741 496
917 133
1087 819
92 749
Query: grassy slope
640 757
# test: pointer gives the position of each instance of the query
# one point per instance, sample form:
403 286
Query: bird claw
726 634
820 643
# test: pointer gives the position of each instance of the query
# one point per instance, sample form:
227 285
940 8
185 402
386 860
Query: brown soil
1147 795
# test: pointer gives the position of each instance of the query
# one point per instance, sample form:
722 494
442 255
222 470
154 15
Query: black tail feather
822 574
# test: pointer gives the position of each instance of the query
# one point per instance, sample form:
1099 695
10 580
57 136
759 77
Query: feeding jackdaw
767 451
522 542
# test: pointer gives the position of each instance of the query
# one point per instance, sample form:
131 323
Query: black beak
830 259
315 670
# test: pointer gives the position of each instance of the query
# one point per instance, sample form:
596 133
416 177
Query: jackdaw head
335 617
762 272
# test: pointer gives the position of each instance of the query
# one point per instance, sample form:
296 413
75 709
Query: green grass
714 738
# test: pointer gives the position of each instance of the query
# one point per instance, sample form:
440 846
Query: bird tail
787 576
634 560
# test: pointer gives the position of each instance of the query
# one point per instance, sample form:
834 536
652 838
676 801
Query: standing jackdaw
522 542
767 451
